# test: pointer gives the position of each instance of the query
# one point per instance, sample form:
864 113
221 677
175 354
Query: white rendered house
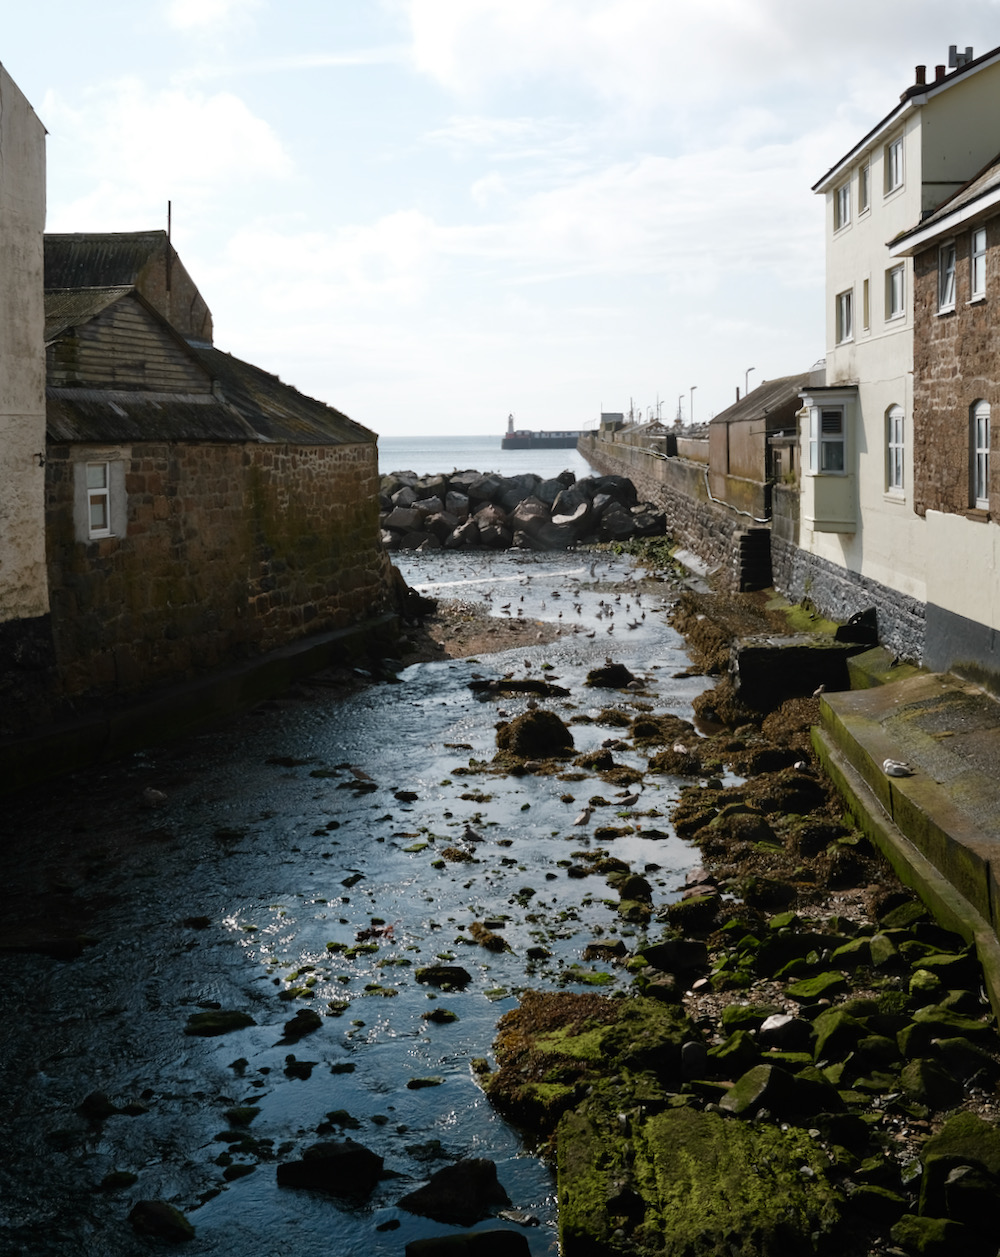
860 543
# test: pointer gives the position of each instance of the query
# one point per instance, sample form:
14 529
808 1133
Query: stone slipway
939 827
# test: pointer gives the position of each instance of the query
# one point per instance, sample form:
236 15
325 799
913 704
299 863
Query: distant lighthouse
510 425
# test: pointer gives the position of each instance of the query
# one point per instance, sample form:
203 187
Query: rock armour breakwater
469 510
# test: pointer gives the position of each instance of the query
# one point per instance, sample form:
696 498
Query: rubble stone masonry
956 362
230 551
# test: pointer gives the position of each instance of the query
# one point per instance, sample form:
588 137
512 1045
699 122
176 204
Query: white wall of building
23 584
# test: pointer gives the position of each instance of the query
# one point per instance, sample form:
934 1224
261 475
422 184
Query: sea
434 455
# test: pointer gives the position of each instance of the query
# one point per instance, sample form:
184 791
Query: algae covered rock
155 1219
217 1021
708 1187
462 1193
536 733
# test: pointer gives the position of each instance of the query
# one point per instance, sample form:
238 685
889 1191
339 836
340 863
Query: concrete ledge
921 824
190 705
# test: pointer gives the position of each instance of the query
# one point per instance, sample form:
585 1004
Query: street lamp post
691 407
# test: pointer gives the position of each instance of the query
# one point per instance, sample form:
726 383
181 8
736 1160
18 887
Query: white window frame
845 316
866 305
977 264
947 267
842 206
893 165
895 449
979 444
895 292
98 496
864 187
828 440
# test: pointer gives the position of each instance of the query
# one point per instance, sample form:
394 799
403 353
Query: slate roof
99 259
110 417
777 397
982 188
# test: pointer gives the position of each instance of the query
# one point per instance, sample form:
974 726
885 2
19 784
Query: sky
435 213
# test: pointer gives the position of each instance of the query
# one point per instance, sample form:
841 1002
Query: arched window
979 449
894 449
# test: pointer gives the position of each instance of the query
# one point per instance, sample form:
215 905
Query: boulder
462 1193
403 519
535 734
340 1167
155 1219
403 497
457 504
466 534
429 506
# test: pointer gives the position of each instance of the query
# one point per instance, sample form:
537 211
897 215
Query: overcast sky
430 213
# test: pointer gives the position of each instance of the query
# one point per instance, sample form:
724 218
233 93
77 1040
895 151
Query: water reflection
283 872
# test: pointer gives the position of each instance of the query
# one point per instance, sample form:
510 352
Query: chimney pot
939 73
921 75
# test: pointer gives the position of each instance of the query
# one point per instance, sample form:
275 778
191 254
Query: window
842 206
977 266
894 449
98 503
845 316
946 276
980 448
895 292
865 188
893 162
866 306
826 439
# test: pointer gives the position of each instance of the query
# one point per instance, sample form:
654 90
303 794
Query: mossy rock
929 1237
217 1021
837 1034
736 1055
822 986
697 1185
746 1016
612 676
877 1204
535 734
928 1082
695 915
789 1097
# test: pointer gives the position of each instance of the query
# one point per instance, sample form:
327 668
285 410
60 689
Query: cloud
134 148
188 15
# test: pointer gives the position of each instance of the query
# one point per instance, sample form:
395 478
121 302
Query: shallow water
266 834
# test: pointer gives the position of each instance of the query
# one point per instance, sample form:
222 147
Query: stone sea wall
679 488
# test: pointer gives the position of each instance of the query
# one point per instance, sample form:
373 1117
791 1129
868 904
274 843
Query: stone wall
678 486
230 551
956 361
838 593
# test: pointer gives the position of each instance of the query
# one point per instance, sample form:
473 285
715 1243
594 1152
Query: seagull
472 835
584 817
630 800
896 768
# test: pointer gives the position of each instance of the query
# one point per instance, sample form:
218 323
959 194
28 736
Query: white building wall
948 136
23 584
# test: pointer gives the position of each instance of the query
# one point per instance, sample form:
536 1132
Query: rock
537 733
471 1244
683 956
837 1034
713 1198
735 1056
613 676
822 986
339 1167
304 1022
217 1021
462 1193
403 519
786 1033
156 1219
97 1106
929 1237
791 1097
927 1082
448 977
696 915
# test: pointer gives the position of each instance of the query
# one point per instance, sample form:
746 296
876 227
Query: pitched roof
913 98
276 411
99 259
70 306
977 199
769 398
112 416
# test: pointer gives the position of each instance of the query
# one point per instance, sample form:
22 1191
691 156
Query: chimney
939 72
921 75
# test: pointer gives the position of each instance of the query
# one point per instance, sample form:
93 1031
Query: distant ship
524 439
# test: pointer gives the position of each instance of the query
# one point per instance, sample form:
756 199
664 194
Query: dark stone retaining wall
838 594
678 487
